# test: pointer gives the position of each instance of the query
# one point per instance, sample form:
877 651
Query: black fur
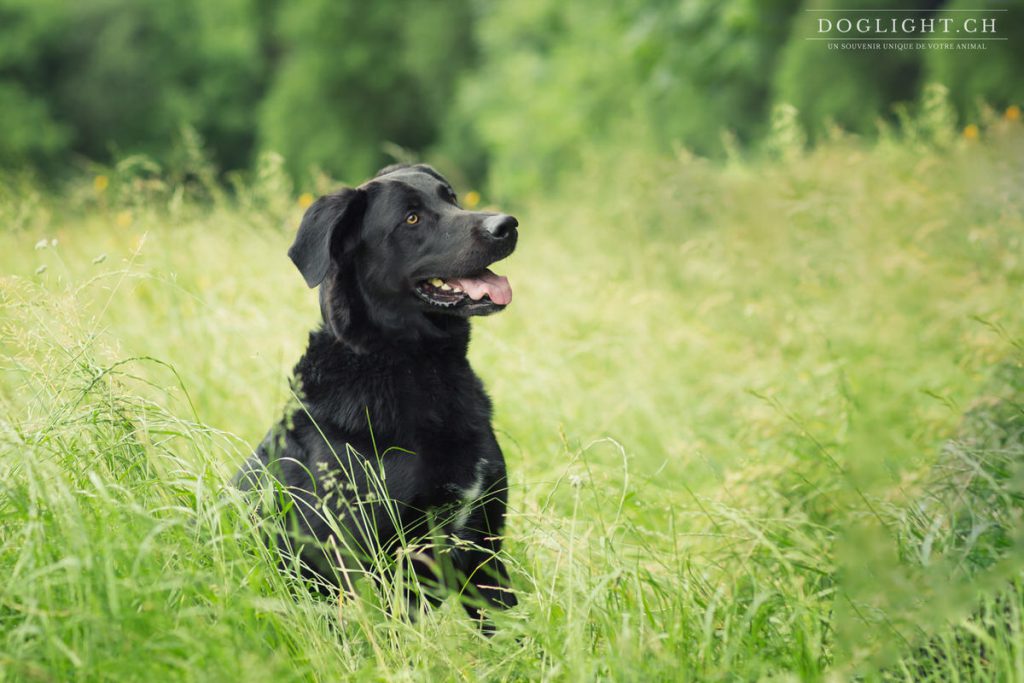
385 393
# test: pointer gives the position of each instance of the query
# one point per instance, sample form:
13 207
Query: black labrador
388 451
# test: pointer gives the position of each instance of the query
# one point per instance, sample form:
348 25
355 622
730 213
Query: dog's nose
500 226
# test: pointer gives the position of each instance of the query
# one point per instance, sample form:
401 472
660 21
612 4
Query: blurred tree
992 76
123 76
229 77
850 88
708 67
517 90
32 135
120 76
355 75
557 79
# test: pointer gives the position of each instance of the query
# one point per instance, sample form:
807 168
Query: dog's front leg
485 583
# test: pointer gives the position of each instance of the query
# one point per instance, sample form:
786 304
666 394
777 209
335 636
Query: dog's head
397 256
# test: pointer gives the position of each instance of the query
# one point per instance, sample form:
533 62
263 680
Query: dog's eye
413 218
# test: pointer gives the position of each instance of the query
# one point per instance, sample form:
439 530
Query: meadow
762 418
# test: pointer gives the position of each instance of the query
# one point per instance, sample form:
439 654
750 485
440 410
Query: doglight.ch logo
900 29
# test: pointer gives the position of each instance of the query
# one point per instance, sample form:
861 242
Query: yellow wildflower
471 199
305 199
1012 113
100 183
971 131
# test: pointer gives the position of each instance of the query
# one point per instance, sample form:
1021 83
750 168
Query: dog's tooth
446 287
456 288
436 281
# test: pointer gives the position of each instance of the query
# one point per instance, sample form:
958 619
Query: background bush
520 90
109 78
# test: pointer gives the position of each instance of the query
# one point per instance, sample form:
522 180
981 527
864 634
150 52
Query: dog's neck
439 336
386 365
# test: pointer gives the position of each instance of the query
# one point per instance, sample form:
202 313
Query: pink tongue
494 286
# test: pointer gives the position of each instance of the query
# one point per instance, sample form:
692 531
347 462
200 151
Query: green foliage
979 77
113 77
851 89
356 75
517 93
32 134
608 74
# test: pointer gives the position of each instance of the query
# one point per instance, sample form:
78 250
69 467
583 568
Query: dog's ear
328 224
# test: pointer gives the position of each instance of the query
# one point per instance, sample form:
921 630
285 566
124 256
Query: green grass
763 420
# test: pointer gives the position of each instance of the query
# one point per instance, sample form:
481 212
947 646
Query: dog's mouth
480 293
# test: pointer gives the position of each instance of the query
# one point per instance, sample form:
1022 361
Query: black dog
400 268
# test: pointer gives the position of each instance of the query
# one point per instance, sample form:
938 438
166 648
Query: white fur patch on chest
469 496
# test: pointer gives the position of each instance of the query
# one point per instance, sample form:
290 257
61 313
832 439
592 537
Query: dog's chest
432 409
443 397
